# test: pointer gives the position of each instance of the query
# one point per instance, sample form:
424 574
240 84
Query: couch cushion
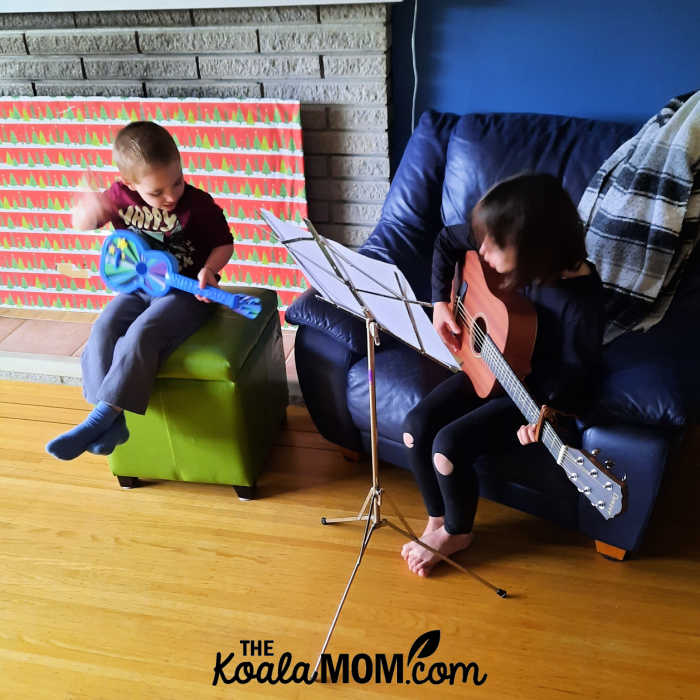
640 384
486 148
403 377
414 199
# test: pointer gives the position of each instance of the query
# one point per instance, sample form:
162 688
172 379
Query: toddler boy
136 332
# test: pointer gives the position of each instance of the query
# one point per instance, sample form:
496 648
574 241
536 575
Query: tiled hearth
45 350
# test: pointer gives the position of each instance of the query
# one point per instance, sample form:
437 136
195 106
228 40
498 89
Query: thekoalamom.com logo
343 668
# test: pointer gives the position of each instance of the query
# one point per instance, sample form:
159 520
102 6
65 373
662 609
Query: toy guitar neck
127 264
187 284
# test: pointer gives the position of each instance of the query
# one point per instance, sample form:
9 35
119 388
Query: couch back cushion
486 148
411 217
450 161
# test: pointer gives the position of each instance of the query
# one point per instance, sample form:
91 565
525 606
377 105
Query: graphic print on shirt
149 221
161 230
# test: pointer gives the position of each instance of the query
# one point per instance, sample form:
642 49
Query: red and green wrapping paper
247 154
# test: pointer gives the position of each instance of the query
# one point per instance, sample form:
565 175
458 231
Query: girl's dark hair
535 214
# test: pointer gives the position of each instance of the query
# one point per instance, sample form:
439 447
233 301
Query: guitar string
517 389
497 357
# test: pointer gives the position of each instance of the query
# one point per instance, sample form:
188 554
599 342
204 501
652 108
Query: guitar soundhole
478 334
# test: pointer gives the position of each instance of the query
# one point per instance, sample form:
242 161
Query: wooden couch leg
609 551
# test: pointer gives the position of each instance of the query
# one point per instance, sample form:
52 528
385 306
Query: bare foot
434 523
421 560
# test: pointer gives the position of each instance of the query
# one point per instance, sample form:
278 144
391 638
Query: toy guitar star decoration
127 264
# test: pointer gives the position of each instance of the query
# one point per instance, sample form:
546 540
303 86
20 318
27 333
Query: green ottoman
218 402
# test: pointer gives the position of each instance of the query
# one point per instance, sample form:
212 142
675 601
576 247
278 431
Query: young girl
526 228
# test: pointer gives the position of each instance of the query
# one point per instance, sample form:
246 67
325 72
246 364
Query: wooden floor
119 594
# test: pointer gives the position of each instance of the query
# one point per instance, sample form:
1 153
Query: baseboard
33 367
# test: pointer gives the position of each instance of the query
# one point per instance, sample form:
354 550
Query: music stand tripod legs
371 508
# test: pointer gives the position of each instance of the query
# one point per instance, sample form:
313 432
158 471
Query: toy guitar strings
127 264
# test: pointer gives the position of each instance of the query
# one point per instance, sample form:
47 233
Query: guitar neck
520 396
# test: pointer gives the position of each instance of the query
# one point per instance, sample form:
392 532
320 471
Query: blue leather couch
651 381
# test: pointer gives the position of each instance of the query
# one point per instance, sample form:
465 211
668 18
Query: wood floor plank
37 394
111 593
50 414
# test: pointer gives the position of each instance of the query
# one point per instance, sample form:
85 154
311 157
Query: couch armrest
322 367
640 453
309 310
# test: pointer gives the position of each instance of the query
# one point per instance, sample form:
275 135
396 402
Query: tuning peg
608 463
595 451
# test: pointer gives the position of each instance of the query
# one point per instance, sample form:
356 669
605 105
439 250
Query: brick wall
333 58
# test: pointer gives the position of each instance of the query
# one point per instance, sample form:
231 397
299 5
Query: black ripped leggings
455 422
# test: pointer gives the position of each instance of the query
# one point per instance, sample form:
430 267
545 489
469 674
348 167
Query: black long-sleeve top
570 320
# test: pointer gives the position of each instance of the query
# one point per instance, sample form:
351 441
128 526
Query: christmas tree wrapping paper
246 154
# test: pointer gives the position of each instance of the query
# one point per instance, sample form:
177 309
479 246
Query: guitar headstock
248 306
606 491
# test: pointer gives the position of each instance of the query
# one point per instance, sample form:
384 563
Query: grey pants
129 341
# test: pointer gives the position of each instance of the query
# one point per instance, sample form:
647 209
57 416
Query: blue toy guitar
127 264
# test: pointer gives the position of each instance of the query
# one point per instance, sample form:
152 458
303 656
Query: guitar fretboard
519 395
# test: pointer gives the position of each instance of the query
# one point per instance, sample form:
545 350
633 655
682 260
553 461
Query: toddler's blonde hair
141 146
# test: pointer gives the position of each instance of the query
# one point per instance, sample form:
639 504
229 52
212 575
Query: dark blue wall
608 59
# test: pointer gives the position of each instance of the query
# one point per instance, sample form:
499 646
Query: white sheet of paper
313 262
380 286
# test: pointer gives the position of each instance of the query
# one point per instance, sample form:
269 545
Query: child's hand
446 326
88 211
206 278
526 434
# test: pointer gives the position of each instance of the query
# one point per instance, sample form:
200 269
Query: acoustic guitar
498 337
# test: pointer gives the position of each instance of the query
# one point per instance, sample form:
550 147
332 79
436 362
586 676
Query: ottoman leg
128 482
245 493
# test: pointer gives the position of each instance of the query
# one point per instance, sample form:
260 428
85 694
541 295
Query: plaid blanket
642 216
